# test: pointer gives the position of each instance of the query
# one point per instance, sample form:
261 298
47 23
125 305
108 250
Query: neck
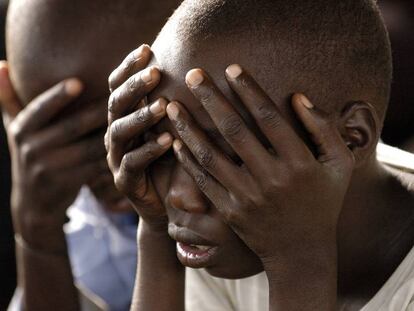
375 231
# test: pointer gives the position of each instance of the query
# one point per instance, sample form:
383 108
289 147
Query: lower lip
195 258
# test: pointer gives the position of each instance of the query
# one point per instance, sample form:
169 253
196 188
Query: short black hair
331 47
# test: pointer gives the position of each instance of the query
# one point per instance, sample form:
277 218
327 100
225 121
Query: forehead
175 58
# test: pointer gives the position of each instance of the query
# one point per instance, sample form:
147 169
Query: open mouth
196 256
193 250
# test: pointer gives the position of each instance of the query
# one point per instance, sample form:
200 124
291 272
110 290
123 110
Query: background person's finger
41 111
135 61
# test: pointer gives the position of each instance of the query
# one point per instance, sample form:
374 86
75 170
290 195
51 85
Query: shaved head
336 52
50 40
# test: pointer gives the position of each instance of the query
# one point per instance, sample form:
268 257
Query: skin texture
191 195
398 128
55 130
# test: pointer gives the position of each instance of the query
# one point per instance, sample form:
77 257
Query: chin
234 272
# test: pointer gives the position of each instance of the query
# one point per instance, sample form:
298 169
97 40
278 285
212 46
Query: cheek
160 173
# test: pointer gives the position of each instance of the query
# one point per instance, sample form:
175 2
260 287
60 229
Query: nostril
189 203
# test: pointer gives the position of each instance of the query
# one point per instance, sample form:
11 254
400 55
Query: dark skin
56 137
194 188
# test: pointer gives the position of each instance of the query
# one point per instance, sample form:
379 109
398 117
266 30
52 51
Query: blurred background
398 129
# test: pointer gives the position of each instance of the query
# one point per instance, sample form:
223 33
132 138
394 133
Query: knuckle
16 132
232 216
201 179
120 182
114 130
268 116
28 153
204 156
149 153
113 101
232 126
181 126
143 115
205 96
132 84
40 173
112 80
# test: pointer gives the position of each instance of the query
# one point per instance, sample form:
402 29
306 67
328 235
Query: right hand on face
51 157
129 155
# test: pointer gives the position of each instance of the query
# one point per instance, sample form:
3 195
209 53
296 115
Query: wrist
41 233
303 281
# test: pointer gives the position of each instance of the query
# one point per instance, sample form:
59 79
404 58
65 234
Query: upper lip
186 236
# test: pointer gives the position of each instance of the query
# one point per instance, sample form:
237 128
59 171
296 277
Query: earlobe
360 128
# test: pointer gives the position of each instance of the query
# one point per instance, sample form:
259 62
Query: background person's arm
50 162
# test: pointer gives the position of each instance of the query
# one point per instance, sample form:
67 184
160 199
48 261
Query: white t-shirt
207 293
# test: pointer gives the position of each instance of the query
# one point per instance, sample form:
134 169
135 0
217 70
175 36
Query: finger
82 174
123 130
207 184
46 106
126 97
331 149
274 126
137 60
228 121
71 128
9 101
136 161
77 154
207 155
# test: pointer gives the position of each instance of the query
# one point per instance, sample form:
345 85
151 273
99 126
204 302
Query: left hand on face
281 203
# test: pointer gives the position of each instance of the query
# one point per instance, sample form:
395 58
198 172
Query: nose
184 194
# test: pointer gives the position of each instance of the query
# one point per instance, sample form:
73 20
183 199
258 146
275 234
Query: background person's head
51 40
336 52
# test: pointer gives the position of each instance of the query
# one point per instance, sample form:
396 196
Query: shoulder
399 162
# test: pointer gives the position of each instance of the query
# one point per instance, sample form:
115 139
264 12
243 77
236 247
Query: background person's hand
129 155
284 203
51 157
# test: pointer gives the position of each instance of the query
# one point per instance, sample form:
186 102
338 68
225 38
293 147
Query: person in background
54 95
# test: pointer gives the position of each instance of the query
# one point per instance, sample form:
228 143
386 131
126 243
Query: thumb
330 147
9 101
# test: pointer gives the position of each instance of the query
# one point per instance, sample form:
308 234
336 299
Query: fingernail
233 71
194 77
305 101
158 107
172 111
164 140
143 49
73 87
177 145
148 75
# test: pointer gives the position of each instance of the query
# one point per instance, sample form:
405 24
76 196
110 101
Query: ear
360 127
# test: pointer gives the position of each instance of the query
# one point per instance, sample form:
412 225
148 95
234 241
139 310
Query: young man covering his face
60 55
263 178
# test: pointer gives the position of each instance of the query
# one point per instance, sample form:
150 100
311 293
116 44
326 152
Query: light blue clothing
103 250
